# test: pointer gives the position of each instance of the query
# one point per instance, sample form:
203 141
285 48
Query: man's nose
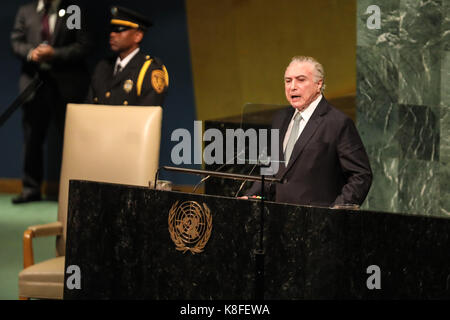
292 85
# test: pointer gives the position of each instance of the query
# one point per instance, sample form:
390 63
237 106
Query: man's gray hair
319 73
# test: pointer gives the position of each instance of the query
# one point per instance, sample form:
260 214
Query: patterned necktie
293 137
118 69
45 31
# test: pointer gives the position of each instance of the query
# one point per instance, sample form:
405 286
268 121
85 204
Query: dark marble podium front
118 236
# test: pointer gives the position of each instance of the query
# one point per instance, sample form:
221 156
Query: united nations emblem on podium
190 226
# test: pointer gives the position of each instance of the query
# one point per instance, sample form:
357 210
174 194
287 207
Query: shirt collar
307 113
127 59
53 7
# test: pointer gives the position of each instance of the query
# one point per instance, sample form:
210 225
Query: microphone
203 180
218 169
258 161
156 179
243 182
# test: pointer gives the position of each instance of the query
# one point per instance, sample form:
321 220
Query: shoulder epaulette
142 73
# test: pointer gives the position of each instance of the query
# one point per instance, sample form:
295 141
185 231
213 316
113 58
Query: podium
119 237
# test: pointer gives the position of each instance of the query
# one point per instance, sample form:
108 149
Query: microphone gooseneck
218 169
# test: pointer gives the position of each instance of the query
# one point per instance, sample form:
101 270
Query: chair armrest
43 230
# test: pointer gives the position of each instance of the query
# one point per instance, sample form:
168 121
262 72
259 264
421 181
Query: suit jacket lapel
36 23
283 129
308 132
56 31
59 24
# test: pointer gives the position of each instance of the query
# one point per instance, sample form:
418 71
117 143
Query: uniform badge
128 86
158 80
190 226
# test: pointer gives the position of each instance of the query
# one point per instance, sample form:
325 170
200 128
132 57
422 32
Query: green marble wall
403 104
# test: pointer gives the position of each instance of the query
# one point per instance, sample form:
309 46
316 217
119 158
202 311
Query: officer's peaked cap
129 18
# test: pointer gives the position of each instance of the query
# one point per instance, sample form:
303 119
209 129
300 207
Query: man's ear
138 36
320 84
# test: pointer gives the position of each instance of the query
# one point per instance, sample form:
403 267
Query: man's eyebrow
297 76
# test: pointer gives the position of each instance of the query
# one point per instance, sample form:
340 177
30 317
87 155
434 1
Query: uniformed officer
131 77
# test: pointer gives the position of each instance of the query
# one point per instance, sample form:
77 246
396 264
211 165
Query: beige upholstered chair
101 143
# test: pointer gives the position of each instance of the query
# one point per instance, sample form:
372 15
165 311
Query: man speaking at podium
131 77
323 160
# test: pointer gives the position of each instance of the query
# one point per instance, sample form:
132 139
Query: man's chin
299 106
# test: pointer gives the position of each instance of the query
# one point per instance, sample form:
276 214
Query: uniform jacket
143 82
328 165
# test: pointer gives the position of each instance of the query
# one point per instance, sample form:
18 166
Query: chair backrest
108 144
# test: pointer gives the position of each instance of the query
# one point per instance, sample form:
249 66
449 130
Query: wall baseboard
49 188
10 185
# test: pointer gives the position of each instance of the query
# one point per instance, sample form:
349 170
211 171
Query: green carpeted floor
14 219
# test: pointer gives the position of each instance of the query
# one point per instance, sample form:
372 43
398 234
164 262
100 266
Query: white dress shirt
52 14
306 114
123 63
51 22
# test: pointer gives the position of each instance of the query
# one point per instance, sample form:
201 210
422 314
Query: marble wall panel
403 104
445 28
418 132
444 169
418 185
445 79
388 34
383 195
444 147
377 110
419 76
444 185
420 23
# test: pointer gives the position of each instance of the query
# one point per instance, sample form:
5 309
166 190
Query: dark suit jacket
328 165
121 89
67 69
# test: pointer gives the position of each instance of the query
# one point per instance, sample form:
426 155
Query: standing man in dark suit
51 51
130 77
323 160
